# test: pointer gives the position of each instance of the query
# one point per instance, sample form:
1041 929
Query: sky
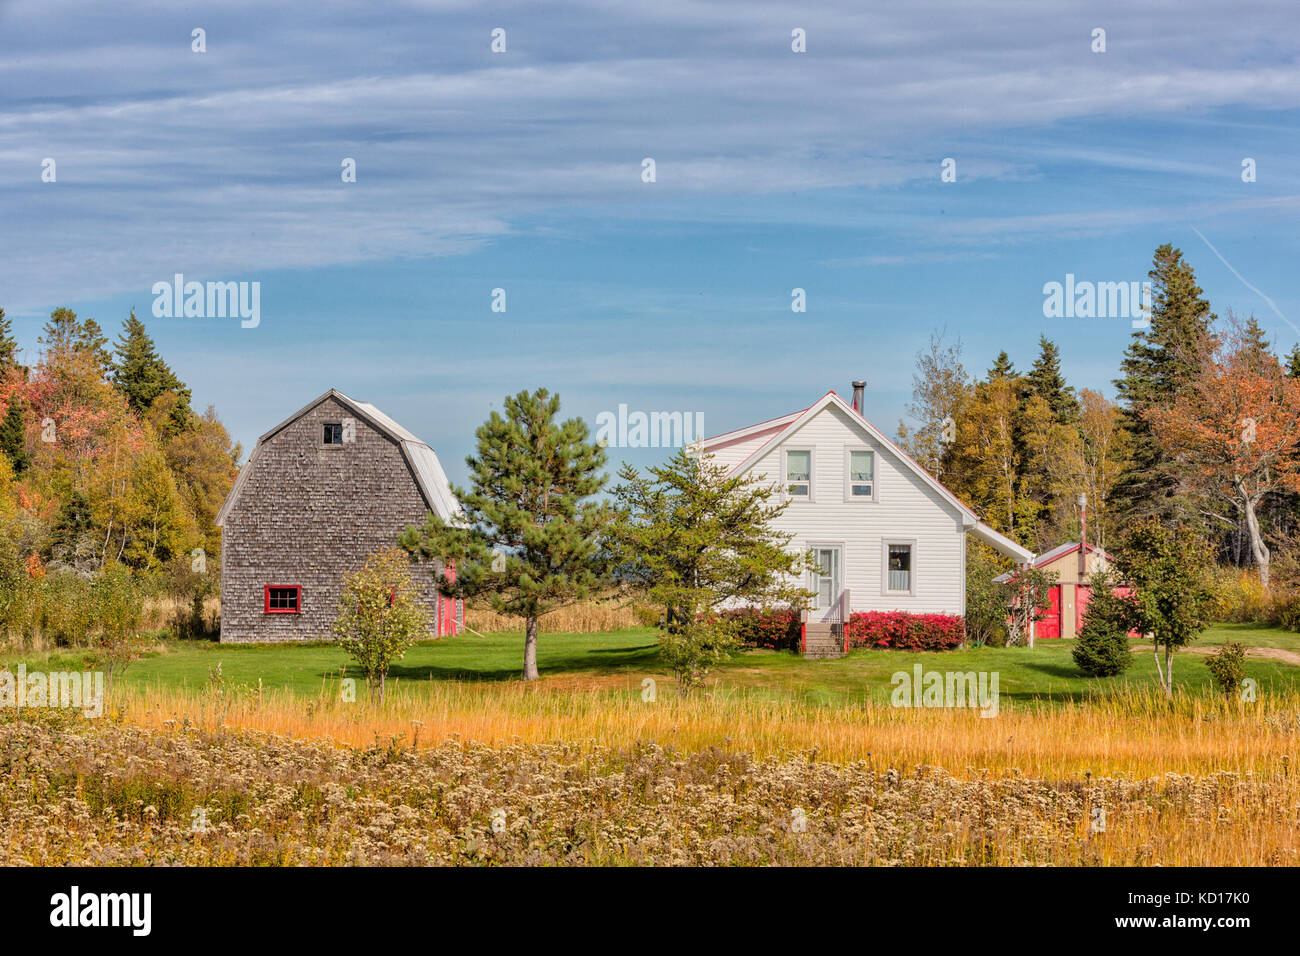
523 170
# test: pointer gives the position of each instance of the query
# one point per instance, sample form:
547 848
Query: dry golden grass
1137 734
587 618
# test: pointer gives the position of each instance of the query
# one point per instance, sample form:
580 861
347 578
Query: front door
825 584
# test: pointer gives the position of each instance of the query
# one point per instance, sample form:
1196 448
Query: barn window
283 598
334 433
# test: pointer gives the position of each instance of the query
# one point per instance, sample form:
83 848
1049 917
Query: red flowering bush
777 628
901 630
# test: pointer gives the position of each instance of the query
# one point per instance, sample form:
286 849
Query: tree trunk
1169 671
530 648
1258 549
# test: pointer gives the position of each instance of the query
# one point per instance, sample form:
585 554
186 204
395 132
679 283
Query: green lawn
623 658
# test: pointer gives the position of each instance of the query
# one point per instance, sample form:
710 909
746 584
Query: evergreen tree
65 332
1158 367
8 346
1046 381
142 376
1293 361
1002 368
1102 648
699 542
13 436
529 537
90 338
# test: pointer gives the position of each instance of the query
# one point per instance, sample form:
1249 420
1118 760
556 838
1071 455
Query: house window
861 471
899 571
283 598
798 474
333 433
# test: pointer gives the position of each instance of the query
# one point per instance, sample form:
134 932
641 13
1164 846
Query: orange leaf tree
1236 431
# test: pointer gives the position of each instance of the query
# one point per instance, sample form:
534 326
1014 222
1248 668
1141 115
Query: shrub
776 628
1102 648
1228 667
986 599
1285 610
902 630
1239 597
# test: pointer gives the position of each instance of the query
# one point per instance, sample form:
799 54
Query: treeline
1205 436
108 478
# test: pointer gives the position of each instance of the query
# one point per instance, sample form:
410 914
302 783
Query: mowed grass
619 661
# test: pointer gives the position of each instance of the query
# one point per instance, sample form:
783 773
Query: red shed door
1050 626
1082 595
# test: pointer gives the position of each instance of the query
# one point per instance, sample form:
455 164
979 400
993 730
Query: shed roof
420 457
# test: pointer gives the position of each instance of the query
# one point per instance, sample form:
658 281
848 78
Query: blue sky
522 170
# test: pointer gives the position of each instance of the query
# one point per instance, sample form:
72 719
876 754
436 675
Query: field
777 760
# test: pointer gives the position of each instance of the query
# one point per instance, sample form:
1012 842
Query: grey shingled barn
327 487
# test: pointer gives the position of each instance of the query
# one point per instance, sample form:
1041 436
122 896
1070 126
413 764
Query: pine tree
90 338
1002 368
1293 361
13 436
60 332
8 346
1046 381
528 514
701 541
1102 648
1158 367
65 332
142 376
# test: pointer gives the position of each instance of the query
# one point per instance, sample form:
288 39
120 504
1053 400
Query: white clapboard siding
905 508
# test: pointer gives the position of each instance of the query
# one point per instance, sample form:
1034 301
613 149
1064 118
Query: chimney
858 399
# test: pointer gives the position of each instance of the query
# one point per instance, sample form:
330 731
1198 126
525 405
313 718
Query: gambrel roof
787 425
420 457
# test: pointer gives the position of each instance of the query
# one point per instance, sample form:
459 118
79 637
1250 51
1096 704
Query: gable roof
793 422
1058 552
419 456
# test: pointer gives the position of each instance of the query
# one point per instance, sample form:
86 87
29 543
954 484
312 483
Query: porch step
823 640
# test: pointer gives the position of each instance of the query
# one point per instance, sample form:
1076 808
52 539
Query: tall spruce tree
1158 367
1293 361
1046 381
8 346
529 540
141 375
1002 368
13 436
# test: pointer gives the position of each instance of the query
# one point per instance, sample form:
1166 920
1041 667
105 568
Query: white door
825 584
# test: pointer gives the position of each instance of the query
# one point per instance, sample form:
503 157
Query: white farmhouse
885 534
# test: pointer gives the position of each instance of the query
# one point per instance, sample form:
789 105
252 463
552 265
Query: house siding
905 509
307 514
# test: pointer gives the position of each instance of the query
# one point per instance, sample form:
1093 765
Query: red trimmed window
283 598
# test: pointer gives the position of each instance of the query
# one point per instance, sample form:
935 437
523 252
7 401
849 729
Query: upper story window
282 598
333 433
860 469
798 473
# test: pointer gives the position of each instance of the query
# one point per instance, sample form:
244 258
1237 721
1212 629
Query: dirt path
1268 653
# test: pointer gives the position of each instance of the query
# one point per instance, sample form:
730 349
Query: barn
1072 563
327 487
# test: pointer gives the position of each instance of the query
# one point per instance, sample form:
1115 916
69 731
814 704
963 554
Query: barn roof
420 457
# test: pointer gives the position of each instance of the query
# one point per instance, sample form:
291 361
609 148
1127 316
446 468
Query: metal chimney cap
859 384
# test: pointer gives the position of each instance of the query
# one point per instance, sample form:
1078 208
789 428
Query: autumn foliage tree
1235 430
